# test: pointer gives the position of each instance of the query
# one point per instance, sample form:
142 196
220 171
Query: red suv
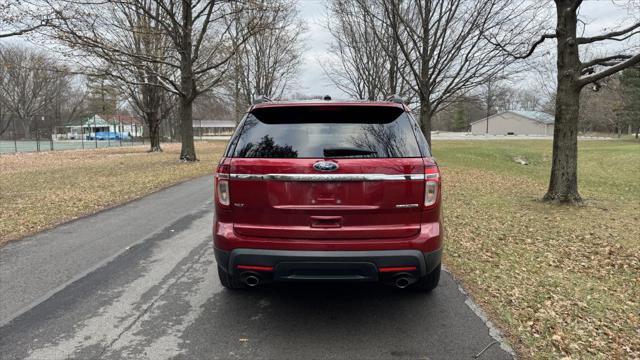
328 191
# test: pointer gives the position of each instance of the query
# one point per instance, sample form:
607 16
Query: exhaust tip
251 280
402 282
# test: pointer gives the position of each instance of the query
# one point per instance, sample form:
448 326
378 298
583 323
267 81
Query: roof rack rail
394 98
261 99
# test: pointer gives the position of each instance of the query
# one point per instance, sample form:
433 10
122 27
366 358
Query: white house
87 128
515 122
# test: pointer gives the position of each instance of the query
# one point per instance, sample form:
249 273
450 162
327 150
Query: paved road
154 294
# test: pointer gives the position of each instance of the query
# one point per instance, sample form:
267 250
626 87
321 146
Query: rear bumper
288 265
428 239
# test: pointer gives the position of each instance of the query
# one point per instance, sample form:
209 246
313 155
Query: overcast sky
312 79
600 15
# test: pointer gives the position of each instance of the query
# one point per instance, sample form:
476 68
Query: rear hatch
327 172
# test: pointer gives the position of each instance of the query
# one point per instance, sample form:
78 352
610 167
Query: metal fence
43 137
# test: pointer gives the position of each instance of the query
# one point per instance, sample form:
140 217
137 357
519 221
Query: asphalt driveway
139 281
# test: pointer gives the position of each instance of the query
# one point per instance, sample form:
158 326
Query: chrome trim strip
328 177
406 206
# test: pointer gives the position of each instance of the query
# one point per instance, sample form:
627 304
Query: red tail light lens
431 185
222 185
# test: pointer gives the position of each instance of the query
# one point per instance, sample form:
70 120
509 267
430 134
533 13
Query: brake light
431 184
255 268
222 185
396 269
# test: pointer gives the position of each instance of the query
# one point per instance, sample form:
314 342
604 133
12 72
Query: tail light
431 185
222 185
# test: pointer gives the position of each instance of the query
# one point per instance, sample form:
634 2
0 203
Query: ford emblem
325 166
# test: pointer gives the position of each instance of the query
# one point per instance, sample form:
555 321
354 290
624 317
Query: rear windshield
325 131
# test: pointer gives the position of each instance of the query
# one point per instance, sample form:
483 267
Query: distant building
213 127
131 126
515 122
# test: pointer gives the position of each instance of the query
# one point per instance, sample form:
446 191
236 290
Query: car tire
429 281
227 280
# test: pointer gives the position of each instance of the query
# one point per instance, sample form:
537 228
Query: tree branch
531 50
609 71
607 59
22 31
611 36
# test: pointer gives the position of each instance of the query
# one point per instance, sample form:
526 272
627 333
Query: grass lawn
561 281
40 190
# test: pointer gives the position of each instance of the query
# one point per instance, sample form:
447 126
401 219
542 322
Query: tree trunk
393 70
188 150
425 119
563 184
154 132
393 60
187 85
5 126
26 127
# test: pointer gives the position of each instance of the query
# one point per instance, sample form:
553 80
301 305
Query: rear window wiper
347 151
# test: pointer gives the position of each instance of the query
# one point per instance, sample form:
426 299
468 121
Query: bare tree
367 62
117 44
30 83
201 38
198 52
268 62
573 74
149 99
446 46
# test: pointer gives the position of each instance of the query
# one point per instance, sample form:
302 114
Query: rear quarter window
327 131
